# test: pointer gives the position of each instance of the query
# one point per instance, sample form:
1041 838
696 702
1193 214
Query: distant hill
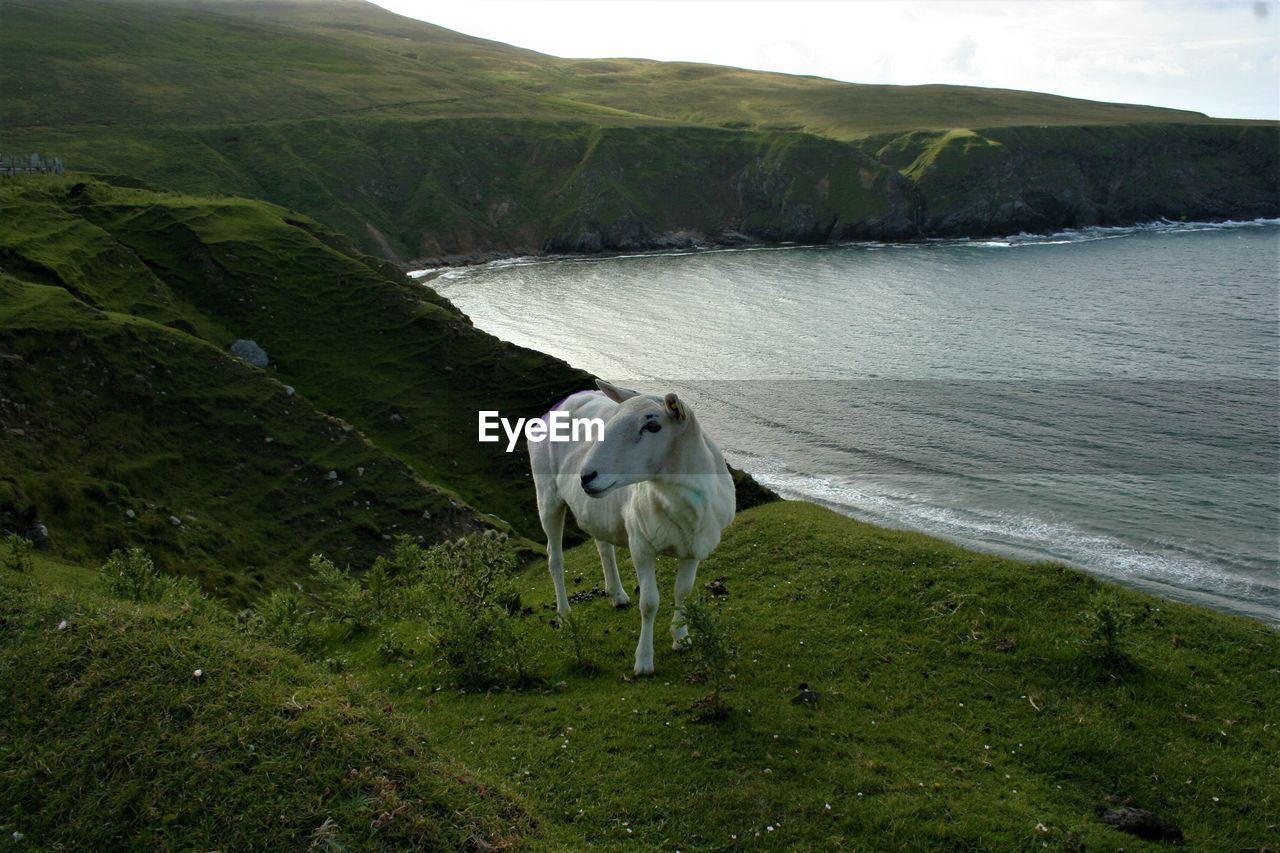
417 141
151 62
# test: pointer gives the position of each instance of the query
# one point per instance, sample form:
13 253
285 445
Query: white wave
1162 226
519 261
1086 235
1030 537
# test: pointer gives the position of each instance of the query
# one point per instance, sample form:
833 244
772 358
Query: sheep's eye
651 427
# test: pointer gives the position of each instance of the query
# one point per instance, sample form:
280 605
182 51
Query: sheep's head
638 440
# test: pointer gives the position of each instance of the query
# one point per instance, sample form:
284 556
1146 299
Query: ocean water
1109 398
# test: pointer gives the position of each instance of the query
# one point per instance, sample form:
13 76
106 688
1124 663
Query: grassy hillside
109 739
119 431
255 61
420 142
118 307
965 701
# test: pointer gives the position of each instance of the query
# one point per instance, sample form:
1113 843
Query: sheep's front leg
686 575
553 526
647 573
612 582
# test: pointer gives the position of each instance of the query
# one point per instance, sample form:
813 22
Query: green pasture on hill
963 701
118 308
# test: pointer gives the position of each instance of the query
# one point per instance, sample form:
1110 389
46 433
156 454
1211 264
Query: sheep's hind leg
686 575
553 525
612 581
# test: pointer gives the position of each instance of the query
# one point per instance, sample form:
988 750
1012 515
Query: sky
1220 57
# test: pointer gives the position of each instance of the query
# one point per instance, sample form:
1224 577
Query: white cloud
961 56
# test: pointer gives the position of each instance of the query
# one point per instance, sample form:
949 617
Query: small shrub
390 647
713 652
578 631
18 552
378 582
284 618
132 576
1108 622
342 596
475 611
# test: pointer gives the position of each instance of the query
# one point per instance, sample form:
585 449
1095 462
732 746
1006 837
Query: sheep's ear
614 393
677 408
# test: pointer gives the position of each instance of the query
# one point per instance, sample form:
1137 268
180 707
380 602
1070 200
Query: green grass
109 740
118 307
966 700
79 64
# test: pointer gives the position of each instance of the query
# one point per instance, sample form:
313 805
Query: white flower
62 626
198 673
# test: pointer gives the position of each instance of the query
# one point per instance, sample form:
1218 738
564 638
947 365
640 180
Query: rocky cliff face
478 188
646 189
1041 179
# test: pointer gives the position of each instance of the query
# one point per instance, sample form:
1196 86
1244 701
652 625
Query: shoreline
427 269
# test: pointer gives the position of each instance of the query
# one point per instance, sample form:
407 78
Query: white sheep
655 483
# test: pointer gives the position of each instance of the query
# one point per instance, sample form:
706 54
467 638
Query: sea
1104 397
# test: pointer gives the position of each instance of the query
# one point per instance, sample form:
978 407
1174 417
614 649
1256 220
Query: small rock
289 390
130 513
249 351
175 521
1144 824
396 418
39 536
332 475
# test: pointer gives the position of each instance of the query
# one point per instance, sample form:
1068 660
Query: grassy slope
963 704
114 426
285 60
109 741
122 304
416 141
